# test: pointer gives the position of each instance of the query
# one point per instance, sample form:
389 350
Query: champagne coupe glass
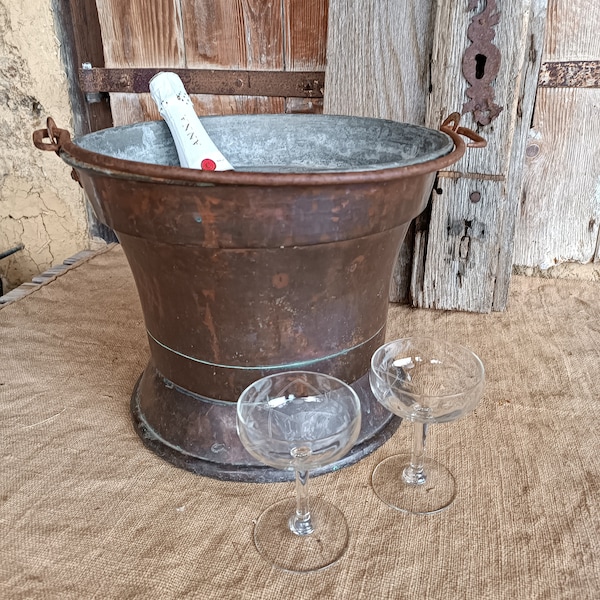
423 380
299 420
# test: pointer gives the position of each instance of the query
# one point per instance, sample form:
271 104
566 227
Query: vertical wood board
449 86
81 41
378 59
138 33
305 34
233 34
573 30
560 210
515 176
467 267
378 55
462 246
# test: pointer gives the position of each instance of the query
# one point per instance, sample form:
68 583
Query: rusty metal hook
58 137
452 123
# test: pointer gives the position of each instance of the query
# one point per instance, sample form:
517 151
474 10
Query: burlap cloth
86 511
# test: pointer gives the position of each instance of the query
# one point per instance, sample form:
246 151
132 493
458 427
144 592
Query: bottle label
195 148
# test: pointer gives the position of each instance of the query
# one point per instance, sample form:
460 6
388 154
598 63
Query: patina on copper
241 274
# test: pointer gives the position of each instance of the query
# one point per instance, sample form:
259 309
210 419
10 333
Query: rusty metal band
294 365
297 84
570 74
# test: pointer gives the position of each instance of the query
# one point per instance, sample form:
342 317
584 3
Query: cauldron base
229 461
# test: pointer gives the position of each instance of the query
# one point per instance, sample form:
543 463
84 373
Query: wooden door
257 35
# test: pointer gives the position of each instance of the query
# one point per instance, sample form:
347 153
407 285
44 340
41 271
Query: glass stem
414 473
300 522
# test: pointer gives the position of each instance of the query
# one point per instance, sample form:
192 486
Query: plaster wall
40 205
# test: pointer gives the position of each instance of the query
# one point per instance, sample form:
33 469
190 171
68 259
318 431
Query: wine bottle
195 148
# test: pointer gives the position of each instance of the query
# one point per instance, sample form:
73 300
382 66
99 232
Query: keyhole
480 60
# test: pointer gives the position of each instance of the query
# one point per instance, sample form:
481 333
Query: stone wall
40 205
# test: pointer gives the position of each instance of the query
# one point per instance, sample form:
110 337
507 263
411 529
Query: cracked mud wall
40 205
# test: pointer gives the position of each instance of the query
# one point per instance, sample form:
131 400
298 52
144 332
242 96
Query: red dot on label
208 164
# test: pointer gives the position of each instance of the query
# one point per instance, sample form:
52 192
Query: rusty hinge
571 74
291 84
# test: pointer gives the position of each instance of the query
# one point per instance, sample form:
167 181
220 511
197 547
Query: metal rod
292 84
11 251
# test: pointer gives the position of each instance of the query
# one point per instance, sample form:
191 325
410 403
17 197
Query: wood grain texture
139 33
515 177
378 56
476 279
205 104
81 41
449 86
560 210
305 34
378 59
214 34
233 34
238 34
573 31
462 245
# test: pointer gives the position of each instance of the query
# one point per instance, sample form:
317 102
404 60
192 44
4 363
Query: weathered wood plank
560 209
378 59
234 34
572 30
305 45
137 33
235 105
462 246
81 41
378 66
469 239
305 34
515 176
449 86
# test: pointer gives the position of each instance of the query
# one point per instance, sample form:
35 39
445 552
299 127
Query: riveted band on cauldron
282 264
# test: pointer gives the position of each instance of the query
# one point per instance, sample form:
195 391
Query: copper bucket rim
76 156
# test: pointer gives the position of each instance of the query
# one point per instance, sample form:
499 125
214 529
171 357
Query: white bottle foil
194 147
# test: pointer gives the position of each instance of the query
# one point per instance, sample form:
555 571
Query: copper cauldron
283 264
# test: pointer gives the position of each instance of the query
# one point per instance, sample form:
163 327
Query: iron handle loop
452 123
58 137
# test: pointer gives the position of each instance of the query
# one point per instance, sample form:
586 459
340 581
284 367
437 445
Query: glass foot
436 494
301 553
